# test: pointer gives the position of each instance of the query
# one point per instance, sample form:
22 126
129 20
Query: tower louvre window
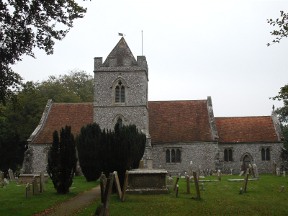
120 93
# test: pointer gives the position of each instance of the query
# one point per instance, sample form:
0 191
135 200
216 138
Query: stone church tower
121 90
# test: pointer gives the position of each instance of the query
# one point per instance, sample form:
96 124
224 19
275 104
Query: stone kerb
27 178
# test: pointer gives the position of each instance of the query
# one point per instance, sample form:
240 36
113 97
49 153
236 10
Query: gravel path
70 207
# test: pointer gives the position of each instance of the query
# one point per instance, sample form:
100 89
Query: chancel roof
247 129
179 121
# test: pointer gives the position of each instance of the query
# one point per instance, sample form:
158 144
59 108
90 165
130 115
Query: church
181 135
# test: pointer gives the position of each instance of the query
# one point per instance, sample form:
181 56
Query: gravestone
177 190
241 173
170 182
202 187
231 171
6 181
256 173
103 181
28 191
196 186
188 184
219 175
11 175
1 179
246 181
282 188
278 171
284 173
117 182
103 208
35 186
42 182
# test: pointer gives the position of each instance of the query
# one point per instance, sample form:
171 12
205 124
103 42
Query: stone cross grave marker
35 186
11 175
28 191
42 182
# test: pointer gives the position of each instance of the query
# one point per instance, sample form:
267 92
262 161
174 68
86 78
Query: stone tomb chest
147 181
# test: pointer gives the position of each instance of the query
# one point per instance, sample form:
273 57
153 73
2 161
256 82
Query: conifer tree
62 160
88 147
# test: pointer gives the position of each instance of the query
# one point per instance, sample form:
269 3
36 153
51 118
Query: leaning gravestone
11 175
170 183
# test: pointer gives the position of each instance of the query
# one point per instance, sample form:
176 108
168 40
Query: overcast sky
194 49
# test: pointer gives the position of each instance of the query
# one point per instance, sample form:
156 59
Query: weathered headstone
125 186
35 186
198 197
177 190
219 175
170 183
251 168
282 188
103 181
11 175
117 182
176 182
231 171
188 184
241 173
42 182
256 173
246 181
103 208
6 181
28 191
202 187
278 171
284 173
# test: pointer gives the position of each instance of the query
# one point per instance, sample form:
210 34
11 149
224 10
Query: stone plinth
147 181
28 178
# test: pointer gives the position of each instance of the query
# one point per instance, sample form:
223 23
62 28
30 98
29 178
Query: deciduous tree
27 24
281 25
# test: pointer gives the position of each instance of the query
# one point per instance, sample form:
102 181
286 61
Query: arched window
119 92
265 154
167 156
228 155
178 155
173 156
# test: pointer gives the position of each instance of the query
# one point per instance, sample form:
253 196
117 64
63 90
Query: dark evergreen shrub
89 152
62 160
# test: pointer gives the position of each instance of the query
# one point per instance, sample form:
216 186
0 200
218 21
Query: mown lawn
13 201
219 198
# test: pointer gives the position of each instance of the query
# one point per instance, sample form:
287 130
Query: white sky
194 49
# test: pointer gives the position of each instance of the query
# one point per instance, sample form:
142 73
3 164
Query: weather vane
121 34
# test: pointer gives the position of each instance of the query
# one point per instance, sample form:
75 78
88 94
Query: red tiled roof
246 129
75 115
179 121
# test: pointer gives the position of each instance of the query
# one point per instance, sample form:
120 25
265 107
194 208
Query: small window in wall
228 154
119 92
173 155
265 154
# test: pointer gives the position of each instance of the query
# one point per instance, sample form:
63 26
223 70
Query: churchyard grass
263 197
14 202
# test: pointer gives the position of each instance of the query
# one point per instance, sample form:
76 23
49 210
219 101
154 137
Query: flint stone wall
202 155
253 150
